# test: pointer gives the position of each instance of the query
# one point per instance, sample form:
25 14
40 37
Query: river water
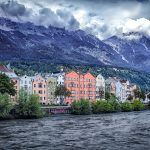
118 131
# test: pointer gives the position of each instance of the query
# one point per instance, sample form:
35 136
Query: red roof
5 69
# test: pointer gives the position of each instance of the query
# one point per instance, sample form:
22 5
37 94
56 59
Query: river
116 131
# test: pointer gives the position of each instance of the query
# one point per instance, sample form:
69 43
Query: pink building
81 86
39 87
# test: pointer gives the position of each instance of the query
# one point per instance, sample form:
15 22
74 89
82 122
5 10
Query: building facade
26 83
16 81
100 87
82 86
110 86
52 84
39 87
126 84
120 91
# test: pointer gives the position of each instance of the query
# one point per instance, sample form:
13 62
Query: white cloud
141 25
103 18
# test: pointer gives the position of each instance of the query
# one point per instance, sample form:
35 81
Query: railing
56 109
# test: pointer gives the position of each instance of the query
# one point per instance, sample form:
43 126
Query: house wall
120 91
81 86
100 87
39 87
26 84
52 84
16 82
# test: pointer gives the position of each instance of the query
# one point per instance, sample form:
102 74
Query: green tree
62 92
130 97
5 106
115 104
139 94
126 107
28 106
138 105
102 107
34 109
107 95
142 95
81 107
6 86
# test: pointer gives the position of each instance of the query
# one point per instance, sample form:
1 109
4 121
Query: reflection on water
120 131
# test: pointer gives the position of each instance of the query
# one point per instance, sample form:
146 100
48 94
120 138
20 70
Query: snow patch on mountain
5 28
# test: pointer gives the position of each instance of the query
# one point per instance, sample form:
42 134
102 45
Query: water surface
118 131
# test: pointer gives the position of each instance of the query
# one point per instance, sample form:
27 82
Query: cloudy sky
102 18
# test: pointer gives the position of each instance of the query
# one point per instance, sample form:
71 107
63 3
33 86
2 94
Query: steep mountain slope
134 48
27 42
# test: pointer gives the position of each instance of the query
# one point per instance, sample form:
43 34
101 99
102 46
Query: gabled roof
72 71
5 69
88 73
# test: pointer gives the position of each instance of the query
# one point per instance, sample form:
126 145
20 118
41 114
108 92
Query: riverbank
28 107
85 107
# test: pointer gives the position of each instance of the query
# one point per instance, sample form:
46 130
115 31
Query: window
40 85
25 87
25 82
34 85
44 85
34 92
40 98
40 91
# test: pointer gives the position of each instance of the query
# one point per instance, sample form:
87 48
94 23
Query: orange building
16 82
81 86
39 87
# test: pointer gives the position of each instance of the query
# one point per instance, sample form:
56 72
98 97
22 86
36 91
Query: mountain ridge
28 42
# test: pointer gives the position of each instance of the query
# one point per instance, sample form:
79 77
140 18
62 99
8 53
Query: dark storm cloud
102 18
15 9
72 23
60 18
48 17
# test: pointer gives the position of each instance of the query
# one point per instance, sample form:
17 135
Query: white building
60 77
100 87
120 91
26 83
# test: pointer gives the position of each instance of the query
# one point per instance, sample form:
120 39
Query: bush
116 106
138 105
28 106
82 107
5 106
35 110
126 107
103 107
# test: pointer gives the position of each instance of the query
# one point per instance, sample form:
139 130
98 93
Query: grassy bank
85 107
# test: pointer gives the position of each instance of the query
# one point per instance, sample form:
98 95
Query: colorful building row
82 86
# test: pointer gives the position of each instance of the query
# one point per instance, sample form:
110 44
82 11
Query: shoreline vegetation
85 107
28 107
